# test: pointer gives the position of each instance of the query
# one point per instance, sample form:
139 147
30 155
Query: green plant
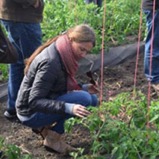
3 72
119 128
122 19
10 151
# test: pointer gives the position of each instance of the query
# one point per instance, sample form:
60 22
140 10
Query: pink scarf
64 47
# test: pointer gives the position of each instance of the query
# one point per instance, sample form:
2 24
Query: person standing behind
21 18
152 74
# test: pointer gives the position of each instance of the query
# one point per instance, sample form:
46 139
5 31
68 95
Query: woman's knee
79 97
85 98
89 99
95 100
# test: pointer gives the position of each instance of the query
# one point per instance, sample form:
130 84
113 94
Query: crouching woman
49 92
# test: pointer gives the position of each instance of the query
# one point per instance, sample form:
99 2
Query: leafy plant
3 72
122 19
11 151
120 128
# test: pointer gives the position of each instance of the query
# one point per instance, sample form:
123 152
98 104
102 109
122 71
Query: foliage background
122 21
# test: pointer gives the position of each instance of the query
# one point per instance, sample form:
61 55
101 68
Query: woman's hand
80 111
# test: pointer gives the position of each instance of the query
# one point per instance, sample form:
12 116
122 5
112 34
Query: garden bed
117 79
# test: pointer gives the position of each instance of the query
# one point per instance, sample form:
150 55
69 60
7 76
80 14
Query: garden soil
116 80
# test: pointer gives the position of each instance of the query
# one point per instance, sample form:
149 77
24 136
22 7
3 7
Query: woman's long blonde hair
80 33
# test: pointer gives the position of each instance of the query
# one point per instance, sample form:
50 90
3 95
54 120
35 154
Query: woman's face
81 49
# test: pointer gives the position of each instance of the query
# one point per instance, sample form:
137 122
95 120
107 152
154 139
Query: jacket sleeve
45 79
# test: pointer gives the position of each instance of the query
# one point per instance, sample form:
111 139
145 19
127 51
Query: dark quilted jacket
45 80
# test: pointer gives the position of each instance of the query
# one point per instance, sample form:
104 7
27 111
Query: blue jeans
42 119
26 37
152 73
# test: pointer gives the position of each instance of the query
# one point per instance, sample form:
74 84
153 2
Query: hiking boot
53 141
10 115
156 88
